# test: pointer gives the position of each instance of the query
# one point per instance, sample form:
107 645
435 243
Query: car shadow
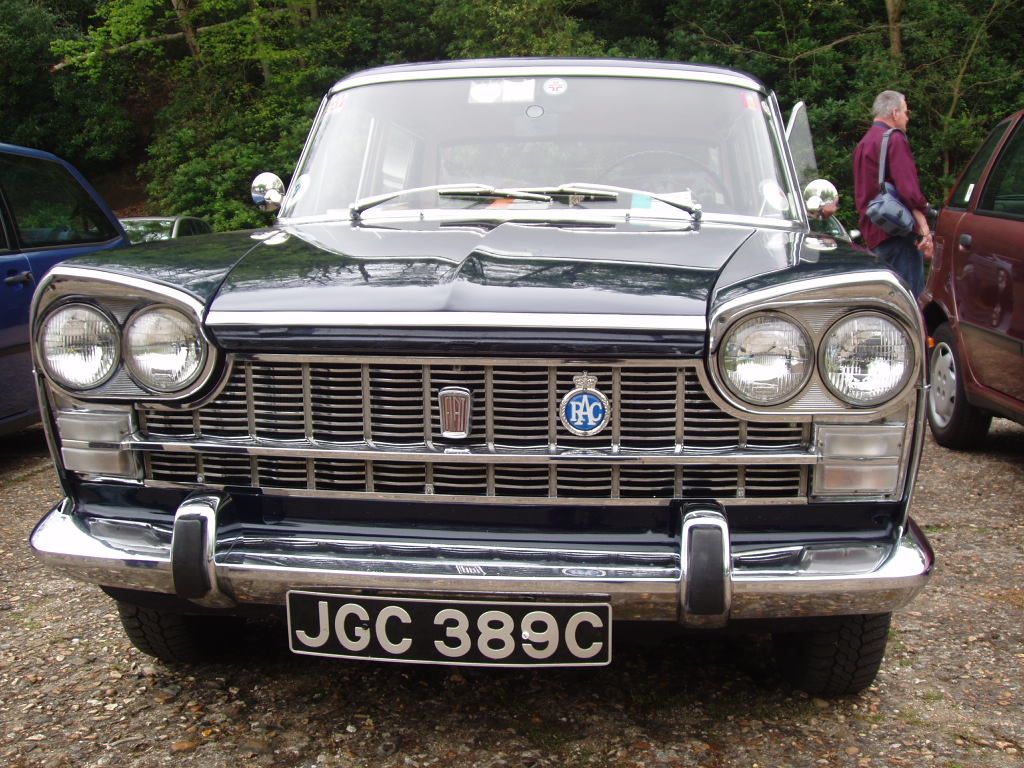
23 450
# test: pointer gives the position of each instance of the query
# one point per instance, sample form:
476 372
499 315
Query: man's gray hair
886 103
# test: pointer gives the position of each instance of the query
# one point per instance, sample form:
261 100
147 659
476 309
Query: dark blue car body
48 213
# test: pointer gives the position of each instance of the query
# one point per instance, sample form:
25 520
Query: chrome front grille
357 426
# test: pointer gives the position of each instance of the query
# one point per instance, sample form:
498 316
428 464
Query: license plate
463 632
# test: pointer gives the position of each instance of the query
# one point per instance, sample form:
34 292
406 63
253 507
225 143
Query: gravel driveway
74 693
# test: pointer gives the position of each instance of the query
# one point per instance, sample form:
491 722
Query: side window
961 196
49 206
1004 192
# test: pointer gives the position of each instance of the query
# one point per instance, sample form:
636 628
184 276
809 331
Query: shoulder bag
886 211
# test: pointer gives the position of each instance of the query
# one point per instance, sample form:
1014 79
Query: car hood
639 268
508 268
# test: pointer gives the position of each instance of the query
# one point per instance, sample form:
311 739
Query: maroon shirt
900 169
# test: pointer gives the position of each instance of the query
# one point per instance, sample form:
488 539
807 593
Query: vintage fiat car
534 347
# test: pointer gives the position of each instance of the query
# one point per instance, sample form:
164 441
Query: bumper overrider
695 577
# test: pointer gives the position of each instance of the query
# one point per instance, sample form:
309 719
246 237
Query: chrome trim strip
475 455
138 284
509 500
550 70
641 584
221 318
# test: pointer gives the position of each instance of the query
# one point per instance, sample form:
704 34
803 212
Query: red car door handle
965 241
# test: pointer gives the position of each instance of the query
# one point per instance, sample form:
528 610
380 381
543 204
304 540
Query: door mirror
821 198
267 192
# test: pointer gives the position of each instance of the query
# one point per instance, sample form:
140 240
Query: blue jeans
900 254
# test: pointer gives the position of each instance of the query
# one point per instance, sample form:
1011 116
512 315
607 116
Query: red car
974 301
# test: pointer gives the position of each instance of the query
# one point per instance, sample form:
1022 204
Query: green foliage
217 90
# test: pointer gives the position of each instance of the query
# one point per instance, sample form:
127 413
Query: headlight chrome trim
804 337
131 363
120 297
893 393
44 359
817 303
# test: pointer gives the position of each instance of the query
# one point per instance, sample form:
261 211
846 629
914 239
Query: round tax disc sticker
555 86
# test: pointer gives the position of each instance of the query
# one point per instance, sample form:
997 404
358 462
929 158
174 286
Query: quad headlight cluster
864 358
161 347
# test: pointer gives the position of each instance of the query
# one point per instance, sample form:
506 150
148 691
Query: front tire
954 422
177 637
841 659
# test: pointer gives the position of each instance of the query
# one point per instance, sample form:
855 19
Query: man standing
905 254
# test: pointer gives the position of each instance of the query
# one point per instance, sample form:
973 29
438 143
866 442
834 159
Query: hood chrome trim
224 318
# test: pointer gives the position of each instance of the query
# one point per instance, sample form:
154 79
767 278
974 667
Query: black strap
883 157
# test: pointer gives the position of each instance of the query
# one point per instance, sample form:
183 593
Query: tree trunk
894 9
181 9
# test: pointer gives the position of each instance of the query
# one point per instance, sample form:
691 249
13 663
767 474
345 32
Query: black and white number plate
467 632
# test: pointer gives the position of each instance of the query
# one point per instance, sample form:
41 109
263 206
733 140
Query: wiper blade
611 192
573 189
447 190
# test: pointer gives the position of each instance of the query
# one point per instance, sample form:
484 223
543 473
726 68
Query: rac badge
585 411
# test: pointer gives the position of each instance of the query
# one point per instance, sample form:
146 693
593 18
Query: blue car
48 213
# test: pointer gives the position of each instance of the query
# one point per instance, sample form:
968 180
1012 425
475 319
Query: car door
49 215
988 272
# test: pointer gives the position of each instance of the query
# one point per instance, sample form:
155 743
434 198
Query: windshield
697 143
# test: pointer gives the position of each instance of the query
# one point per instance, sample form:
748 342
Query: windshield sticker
501 91
555 86
336 104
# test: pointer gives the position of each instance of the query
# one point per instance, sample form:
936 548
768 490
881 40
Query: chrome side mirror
819 194
267 192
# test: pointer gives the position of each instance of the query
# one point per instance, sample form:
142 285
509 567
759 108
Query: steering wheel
663 170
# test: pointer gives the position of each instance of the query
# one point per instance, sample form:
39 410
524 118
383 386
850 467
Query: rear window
49 206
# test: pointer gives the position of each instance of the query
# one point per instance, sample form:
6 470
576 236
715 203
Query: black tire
177 637
838 660
954 422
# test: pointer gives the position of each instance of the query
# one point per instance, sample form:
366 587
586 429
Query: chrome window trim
553 69
330 319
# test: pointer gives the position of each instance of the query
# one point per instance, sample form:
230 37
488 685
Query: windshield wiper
448 190
586 190
611 192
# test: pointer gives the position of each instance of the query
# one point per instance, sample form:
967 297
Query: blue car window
49 206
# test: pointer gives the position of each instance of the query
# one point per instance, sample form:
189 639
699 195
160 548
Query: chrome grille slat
301 410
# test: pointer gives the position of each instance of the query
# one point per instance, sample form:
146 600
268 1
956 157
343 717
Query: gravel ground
73 692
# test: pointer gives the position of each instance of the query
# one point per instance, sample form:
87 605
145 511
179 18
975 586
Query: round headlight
164 350
766 359
79 346
866 359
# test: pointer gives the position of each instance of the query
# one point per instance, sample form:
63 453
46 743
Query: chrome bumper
648 582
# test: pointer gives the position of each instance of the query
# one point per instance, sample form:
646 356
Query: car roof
549 66
40 154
